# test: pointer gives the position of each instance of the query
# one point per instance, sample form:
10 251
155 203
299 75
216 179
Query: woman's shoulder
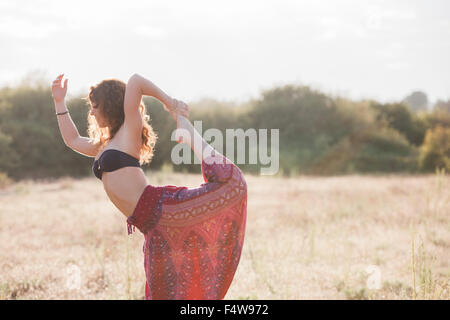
126 142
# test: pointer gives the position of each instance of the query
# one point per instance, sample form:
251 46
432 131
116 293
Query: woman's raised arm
69 131
138 86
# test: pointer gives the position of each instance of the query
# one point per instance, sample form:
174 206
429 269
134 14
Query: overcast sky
233 49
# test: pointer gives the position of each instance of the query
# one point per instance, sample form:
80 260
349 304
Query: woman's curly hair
108 96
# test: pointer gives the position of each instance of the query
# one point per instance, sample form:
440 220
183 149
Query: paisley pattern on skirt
193 236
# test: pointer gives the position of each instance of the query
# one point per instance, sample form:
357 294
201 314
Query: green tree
27 116
399 117
442 105
418 101
435 152
437 118
384 150
9 158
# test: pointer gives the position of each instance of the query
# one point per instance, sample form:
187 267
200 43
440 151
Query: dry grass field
352 237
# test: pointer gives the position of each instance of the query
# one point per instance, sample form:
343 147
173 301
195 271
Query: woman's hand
58 92
176 108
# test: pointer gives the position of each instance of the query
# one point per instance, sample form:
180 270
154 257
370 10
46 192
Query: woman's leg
191 136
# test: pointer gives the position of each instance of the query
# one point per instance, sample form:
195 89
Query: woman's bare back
124 186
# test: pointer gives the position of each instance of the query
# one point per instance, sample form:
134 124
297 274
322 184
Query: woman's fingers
174 105
185 108
58 78
178 107
57 81
182 108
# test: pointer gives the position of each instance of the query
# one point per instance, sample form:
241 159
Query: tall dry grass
306 238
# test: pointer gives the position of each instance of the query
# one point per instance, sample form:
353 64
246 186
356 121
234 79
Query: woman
193 236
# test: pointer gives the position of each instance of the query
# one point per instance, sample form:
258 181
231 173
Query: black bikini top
112 160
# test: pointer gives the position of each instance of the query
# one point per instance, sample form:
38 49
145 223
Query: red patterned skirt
193 236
